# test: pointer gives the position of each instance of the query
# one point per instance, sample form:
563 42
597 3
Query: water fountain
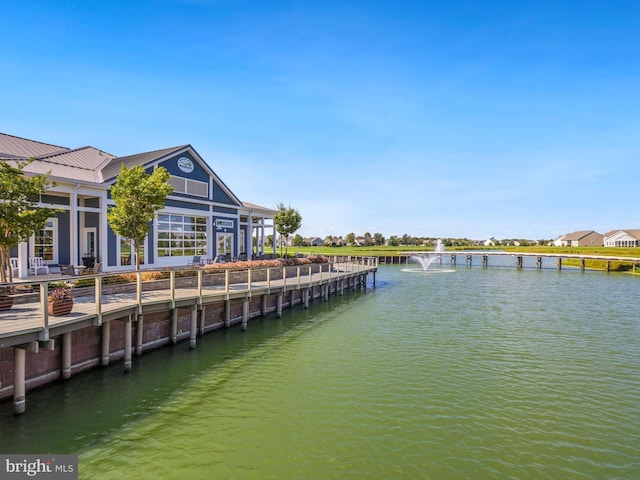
427 258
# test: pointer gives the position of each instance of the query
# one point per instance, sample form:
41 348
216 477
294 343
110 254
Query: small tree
350 238
20 215
138 196
287 221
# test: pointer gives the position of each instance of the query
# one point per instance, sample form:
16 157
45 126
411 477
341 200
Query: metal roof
17 147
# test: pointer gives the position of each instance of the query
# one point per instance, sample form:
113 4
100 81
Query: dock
112 321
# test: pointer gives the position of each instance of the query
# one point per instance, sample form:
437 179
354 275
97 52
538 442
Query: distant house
622 238
314 241
582 238
558 242
491 242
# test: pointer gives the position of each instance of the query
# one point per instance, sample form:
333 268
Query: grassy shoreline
386 251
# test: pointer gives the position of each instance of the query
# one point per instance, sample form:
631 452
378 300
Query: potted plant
60 301
6 300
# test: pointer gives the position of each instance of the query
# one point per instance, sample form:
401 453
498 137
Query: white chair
36 264
14 266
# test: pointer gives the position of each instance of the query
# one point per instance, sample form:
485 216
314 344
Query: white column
248 241
73 229
102 249
23 260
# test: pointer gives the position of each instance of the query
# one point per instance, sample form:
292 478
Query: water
475 373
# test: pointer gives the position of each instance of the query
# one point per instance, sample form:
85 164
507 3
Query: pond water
453 373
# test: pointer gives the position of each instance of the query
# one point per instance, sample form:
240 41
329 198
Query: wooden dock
148 314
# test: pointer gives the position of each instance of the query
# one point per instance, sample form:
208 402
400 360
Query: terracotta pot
60 308
6 302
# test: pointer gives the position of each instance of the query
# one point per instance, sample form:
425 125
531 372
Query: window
181 235
44 242
191 187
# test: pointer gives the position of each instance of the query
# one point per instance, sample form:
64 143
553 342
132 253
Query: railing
109 293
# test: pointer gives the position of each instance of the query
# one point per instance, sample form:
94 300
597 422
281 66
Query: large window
181 235
44 242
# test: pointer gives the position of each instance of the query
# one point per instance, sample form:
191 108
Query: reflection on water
480 373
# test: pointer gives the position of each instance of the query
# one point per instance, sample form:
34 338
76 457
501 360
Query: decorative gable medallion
185 164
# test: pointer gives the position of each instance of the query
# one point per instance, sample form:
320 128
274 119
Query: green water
475 373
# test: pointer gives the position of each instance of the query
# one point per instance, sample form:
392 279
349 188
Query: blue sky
513 119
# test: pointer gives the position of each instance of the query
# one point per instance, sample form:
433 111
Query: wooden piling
106 341
66 356
19 370
127 343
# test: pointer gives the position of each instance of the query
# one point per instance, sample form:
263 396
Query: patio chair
195 262
37 265
14 266
67 271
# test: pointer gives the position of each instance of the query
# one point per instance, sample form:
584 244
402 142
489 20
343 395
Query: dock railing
96 295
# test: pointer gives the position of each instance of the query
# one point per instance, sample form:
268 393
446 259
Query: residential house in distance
314 241
582 238
622 238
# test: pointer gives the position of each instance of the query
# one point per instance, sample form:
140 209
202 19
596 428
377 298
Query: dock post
227 312
245 313
469 260
519 261
127 344
174 325
559 263
106 341
139 332
305 298
608 265
66 356
454 259
485 260
203 317
264 304
582 264
194 327
279 305
19 369
539 263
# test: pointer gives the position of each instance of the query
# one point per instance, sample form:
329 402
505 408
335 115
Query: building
582 238
622 238
201 217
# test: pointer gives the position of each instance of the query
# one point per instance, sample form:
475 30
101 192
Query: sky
454 118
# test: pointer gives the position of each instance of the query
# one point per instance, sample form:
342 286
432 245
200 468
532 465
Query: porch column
101 248
73 228
248 241
23 260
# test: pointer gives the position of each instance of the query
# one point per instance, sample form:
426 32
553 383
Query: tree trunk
136 248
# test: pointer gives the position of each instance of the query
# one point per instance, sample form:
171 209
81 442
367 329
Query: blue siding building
201 217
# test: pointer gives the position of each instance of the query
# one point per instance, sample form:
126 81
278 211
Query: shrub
60 295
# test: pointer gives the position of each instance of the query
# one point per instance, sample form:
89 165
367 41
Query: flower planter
6 302
60 308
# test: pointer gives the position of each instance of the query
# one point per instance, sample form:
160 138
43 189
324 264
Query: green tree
298 241
350 238
393 241
378 239
137 195
287 221
20 215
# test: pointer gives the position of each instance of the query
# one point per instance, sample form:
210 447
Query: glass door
225 244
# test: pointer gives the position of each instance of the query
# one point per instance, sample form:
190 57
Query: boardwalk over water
520 256
30 321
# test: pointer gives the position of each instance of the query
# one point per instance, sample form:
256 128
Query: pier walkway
519 258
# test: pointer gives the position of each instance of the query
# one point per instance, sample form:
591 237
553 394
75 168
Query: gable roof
634 233
112 169
579 235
